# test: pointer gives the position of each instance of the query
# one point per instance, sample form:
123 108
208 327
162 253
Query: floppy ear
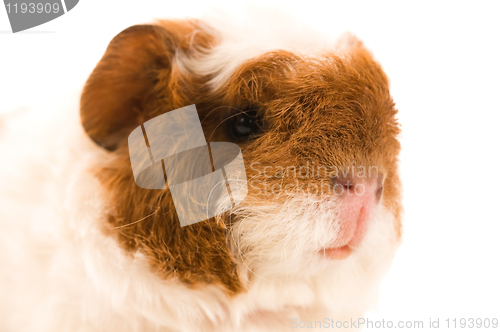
116 92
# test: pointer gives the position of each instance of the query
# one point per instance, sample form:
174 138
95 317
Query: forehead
328 78
241 38
256 70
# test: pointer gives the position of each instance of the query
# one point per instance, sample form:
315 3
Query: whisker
232 116
137 221
217 108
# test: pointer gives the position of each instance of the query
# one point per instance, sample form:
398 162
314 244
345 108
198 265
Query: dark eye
245 125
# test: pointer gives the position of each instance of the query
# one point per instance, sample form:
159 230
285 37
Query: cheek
285 234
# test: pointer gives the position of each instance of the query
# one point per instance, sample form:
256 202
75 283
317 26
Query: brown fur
331 110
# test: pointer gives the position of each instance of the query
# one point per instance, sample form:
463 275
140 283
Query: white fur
242 37
58 272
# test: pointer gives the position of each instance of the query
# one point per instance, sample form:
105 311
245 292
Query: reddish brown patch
134 82
326 111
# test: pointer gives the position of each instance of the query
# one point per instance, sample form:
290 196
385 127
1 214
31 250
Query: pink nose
357 198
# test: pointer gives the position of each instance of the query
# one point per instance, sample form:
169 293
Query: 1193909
32 8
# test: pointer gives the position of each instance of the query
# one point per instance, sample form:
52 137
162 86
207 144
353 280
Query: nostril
378 193
366 187
342 184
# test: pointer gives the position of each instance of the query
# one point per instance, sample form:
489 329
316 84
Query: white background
443 60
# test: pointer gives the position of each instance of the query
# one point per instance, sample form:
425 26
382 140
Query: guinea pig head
318 134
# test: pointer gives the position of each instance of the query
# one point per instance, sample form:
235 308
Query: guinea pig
84 248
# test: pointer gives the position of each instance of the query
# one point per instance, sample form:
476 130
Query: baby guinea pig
309 241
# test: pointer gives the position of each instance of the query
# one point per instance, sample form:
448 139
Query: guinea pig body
82 247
